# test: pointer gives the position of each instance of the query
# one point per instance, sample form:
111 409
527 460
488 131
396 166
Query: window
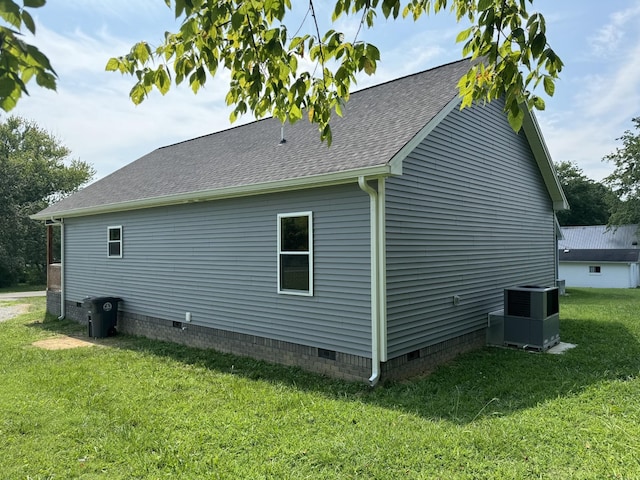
594 269
114 242
295 253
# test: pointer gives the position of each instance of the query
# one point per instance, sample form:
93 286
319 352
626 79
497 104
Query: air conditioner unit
531 317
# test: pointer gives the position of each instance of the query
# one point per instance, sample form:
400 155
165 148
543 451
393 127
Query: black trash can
102 315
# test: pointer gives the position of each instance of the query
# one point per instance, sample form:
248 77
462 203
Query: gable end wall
469 216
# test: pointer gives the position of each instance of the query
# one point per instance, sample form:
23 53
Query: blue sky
598 94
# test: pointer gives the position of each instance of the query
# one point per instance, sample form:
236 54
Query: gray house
378 256
598 256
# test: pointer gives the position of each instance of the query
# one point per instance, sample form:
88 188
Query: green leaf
11 13
137 94
46 80
34 3
142 52
463 35
8 103
28 22
538 103
369 66
516 120
163 82
549 86
538 44
112 65
295 113
7 86
484 5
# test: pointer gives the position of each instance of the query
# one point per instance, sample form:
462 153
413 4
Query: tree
19 61
34 170
625 179
590 201
252 41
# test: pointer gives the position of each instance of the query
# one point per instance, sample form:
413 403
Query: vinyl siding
469 216
218 261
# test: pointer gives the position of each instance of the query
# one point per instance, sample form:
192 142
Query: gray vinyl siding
469 216
218 260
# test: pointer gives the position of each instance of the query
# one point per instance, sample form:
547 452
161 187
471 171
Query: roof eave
543 158
313 181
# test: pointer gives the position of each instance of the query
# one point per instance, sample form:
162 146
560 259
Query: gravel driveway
10 311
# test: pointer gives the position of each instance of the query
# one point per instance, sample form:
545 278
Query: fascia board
397 159
334 178
543 158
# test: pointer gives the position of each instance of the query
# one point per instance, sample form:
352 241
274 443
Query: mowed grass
137 409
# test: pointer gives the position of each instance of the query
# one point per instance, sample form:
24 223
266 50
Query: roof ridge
356 92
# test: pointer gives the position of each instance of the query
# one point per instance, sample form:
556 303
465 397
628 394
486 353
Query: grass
23 287
138 409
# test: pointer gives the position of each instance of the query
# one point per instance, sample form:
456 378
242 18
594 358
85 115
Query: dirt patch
63 343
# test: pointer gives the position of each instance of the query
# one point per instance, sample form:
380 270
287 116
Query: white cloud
92 114
609 37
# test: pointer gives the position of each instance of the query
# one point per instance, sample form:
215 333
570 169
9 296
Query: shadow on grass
486 383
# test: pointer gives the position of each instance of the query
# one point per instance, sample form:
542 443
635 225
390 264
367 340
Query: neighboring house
381 255
598 256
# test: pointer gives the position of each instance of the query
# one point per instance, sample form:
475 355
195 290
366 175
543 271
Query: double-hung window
114 242
295 253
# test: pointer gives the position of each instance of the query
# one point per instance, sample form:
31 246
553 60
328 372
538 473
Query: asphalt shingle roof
377 123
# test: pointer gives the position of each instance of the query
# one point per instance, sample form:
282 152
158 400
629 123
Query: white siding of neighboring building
612 275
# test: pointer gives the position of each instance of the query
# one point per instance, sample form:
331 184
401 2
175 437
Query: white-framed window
595 269
114 242
295 253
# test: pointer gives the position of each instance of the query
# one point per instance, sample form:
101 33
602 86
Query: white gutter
62 295
312 181
375 278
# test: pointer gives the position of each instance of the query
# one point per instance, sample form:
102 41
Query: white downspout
375 340
382 270
62 296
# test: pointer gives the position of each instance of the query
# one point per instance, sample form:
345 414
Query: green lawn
136 408
23 288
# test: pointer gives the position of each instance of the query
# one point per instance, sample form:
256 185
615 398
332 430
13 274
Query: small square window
114 242
594 269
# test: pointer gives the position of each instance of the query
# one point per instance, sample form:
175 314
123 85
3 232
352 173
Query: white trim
312 181
543 159
309 254
382 269
109 241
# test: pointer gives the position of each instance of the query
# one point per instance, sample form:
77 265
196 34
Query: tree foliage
264 58
625 179
35 170
20 62
590 201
